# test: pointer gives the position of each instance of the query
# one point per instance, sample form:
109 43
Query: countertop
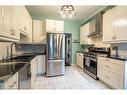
122 58
8 69
11 66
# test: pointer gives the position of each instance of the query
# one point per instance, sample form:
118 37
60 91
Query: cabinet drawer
111 65
112 79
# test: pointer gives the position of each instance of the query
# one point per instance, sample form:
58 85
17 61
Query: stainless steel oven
90 65
90 59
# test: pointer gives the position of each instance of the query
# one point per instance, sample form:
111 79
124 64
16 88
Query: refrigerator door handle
54 60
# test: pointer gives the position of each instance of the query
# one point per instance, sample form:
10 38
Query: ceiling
82 12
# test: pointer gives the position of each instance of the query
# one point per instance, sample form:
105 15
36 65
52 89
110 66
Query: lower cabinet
79 60
37 67
111 72
12 82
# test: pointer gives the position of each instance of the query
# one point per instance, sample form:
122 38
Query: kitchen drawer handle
12 32
107 59
13 84
107 66
107 77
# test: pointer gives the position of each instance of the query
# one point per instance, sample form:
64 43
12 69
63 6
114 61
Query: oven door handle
93 59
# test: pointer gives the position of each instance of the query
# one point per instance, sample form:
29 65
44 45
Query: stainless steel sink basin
9 68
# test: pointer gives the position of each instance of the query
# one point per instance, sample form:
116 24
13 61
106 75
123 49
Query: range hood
97 26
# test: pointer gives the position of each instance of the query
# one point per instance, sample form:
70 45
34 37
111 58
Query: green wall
69 27
74 28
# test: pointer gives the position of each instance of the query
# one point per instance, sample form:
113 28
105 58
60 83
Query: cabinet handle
107 77
107 60
12 32
107 66
115 37
13 84
25 28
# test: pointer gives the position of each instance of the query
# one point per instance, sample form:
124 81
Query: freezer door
55 67
55 46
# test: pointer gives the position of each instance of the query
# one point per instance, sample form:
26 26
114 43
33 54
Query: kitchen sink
8 68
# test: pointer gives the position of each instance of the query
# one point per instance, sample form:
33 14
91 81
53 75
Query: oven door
90 65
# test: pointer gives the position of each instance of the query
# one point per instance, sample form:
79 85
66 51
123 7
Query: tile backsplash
122 49
5 49
99 43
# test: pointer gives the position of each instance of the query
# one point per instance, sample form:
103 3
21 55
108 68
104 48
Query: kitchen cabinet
25 24
8 21
13 21
84 32
12 82
114 25
37 67
112 72
38 31
1 21
54 26
79 61
7 24
109 28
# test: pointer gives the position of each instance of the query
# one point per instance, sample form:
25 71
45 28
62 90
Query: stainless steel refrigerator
55 54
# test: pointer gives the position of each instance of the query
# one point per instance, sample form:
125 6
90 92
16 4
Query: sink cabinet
112 72
12 82
37 67
79 61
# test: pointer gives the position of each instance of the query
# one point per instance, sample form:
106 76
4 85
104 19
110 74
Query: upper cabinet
54 26
1 21
14 21
7 24
114 25
84 32
24 23
38 31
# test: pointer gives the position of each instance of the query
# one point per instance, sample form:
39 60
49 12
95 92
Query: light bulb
73 12
70 15
61 12
64 16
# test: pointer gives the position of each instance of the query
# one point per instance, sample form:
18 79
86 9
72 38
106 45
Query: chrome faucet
14 43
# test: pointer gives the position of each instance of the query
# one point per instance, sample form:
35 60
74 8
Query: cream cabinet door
54 26
12 82
109 24
8 17
30 33
38 30
121 12
80 60
59 26
84 32
50 26
111 71
16 23
1 20
41 64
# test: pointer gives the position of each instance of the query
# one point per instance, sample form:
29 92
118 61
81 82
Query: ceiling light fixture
67 11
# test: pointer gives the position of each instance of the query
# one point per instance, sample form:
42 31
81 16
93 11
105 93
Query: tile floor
74 78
